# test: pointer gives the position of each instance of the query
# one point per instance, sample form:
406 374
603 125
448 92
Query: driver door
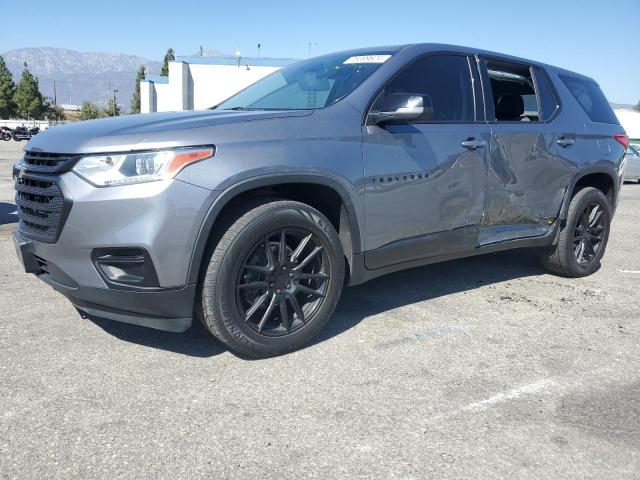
426 178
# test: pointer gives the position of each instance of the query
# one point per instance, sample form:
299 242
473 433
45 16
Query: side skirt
360 273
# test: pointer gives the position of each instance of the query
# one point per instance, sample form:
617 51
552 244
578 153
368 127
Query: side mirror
403 107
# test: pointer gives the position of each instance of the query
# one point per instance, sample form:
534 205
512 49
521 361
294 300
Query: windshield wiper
243 109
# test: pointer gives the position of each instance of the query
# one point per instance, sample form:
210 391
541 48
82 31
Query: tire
571 255
241 260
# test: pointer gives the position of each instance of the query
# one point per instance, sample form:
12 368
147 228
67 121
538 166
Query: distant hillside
83 75
621 105
210 53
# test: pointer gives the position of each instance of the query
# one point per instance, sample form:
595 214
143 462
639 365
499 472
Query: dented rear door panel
528 176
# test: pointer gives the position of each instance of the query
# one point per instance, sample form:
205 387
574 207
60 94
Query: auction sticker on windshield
367 59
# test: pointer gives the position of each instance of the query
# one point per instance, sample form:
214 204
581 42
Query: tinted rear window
591 98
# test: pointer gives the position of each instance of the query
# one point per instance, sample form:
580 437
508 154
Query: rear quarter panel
595 150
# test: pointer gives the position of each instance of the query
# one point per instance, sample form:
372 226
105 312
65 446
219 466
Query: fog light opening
125 267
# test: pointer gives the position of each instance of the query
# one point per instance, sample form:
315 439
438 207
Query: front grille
42 162
42 207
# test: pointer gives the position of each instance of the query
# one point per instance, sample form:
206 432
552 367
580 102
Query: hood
137 132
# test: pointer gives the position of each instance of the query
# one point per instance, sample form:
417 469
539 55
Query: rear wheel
582 242
273 280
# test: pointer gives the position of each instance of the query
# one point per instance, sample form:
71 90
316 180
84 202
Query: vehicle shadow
426 283
195 342
377 296
8 213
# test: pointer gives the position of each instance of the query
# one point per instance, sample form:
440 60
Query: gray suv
255 214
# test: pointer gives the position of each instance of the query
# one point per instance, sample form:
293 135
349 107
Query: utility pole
115 103
55 94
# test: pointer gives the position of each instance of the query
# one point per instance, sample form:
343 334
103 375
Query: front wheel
274 279
582 242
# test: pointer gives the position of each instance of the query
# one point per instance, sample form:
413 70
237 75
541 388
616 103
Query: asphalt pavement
486 367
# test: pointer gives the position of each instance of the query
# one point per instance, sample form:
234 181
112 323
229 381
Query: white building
196 83
630 121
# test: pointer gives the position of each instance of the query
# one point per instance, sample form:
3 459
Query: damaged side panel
528 174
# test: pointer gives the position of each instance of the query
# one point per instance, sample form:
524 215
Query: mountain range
80 76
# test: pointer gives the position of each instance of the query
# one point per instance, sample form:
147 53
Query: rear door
528 170
424 193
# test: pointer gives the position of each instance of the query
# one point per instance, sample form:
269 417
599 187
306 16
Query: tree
165 66
112 109
89 111
28 99
55 112
636 108
7 90
135 101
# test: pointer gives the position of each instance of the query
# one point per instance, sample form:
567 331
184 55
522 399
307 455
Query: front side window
310 84
444 81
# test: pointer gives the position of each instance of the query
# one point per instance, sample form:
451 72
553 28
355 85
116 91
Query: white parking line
551 386
636 272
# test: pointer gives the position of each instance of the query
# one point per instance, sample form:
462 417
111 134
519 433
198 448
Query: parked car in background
632 169
329 172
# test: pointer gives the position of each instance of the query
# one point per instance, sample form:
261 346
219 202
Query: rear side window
446 80
591 98
513 91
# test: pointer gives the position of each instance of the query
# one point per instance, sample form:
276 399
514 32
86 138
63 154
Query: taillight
622 139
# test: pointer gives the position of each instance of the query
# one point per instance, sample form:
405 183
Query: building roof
251 61
156 79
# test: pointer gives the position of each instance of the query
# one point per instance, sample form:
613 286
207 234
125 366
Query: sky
597 38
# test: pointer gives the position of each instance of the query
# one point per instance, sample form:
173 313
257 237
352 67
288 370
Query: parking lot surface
486 367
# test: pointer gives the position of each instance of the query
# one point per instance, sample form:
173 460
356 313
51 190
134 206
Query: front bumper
163 218
169 309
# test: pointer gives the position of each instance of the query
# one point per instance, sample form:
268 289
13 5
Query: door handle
473 143
564 142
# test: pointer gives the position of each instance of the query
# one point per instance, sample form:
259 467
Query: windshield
310 84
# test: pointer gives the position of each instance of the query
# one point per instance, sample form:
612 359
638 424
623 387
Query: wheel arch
345 221
600 177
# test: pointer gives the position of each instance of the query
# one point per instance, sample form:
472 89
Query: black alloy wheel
589 234
273 279
283 281
581 242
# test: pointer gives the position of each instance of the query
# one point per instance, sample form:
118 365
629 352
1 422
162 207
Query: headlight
124 168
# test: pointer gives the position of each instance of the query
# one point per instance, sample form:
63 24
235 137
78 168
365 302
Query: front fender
225 196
